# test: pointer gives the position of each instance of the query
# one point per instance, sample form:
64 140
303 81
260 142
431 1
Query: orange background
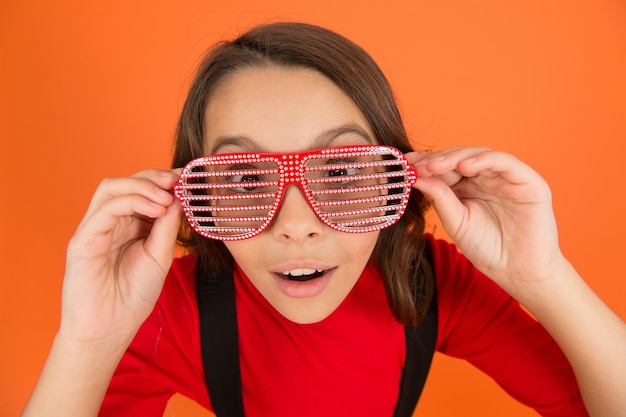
93 89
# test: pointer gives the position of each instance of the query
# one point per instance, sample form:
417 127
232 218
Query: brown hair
399 250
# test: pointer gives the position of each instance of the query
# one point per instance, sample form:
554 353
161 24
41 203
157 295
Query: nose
296 221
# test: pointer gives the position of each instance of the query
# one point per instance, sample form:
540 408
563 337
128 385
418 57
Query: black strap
219 341
220 345
421 342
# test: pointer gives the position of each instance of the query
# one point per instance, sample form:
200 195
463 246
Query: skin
278 110
494 207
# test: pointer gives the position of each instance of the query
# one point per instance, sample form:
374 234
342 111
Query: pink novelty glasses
353 189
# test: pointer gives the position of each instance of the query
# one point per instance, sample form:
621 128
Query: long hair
399 250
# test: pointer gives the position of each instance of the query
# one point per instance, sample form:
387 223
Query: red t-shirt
350 363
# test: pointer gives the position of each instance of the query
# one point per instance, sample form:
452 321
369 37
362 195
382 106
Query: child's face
276 109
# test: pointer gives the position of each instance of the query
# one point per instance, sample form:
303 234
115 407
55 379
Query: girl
320 310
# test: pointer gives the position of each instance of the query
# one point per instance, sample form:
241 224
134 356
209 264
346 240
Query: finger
448 159
492 164
103 220
449 208
443 164
414 157
420 159
506 175
152 184
161 241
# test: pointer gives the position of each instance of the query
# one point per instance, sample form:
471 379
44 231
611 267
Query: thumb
444 201
161 242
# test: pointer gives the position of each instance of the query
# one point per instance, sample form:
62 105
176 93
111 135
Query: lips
303 280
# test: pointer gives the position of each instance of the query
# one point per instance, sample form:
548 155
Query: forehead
279 109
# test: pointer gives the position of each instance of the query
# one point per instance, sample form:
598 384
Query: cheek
244 251
360 244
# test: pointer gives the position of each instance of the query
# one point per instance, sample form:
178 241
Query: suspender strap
421 342
219 341
220 345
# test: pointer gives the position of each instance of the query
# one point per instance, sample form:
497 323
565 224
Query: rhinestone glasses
354 189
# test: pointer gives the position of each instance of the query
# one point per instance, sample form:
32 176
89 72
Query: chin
307 312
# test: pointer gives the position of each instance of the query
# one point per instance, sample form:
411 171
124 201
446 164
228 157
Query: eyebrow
327 138
239 141
324 140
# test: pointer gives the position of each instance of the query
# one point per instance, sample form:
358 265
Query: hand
119 256
495 208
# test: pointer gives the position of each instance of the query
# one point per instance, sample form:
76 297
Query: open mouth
302 274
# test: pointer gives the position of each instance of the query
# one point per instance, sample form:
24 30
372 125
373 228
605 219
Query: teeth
302 271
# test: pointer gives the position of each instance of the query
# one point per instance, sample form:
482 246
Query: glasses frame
292 170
